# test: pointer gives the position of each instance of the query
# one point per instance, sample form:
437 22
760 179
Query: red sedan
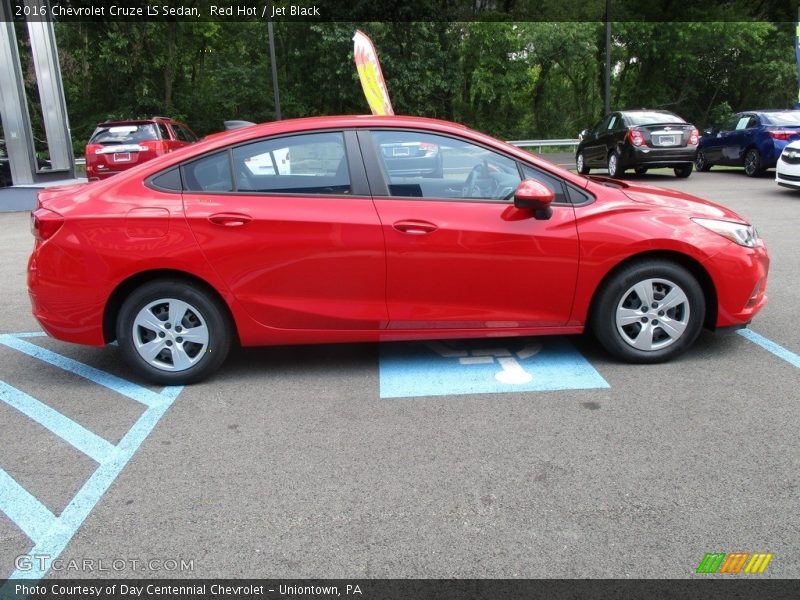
334 229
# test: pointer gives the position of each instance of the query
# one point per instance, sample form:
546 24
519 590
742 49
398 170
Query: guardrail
542 143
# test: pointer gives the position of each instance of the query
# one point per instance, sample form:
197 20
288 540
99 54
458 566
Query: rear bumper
657 157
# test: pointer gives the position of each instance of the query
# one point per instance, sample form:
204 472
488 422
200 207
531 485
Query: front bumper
740 277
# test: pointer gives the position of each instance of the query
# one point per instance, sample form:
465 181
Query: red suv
118 145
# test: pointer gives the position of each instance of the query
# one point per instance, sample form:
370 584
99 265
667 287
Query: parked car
751 139
5 165
116 146
639 140
179 258
787 170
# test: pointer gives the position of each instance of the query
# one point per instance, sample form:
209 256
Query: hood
674 200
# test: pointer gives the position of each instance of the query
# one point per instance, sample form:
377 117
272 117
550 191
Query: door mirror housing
583 134
535 196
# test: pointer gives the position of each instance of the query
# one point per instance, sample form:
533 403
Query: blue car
751 139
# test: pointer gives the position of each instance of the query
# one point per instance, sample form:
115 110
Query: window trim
359 185
374 169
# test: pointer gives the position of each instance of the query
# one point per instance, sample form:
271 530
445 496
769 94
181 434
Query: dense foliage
510 79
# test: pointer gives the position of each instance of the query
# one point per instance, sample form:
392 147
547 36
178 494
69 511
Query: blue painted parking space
770 346
50 532
484 367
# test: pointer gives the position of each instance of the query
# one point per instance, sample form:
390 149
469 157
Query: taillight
694 137
45 223
782 135
635 137
157 147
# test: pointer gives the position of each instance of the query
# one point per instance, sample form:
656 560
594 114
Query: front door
459 254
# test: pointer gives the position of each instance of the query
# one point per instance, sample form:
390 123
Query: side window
613 122
742 122
425 165
162 131
313 163
753 122
182 133
209 174
551 182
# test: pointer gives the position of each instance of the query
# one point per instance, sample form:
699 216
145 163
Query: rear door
299 244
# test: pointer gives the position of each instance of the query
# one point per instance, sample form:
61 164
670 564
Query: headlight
739 233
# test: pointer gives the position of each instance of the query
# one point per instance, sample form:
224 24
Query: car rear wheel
614 169
753 166
173 333
683 170
700 161
650 311
580 164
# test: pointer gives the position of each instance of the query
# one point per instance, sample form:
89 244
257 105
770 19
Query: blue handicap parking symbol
484 367
50 532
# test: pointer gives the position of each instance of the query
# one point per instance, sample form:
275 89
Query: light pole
274 71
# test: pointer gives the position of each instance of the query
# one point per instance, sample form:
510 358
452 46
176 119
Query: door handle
230 219
415 227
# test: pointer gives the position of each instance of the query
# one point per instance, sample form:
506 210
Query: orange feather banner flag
369 71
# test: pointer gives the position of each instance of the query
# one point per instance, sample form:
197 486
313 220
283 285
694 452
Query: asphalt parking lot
337 461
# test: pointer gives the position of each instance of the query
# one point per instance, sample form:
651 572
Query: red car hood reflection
675 200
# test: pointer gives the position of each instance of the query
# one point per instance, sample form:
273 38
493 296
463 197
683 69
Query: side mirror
708 131
535 196
583 134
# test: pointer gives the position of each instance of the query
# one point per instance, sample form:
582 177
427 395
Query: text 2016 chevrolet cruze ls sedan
181 257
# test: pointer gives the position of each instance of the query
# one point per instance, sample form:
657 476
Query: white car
787 171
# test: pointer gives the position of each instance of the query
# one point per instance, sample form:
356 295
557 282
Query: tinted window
182 133
652 118
162 129
124 134
313 163
209 174
425 165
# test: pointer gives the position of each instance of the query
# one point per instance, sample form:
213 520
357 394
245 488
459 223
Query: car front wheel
683 171
650 311
173 332
701 162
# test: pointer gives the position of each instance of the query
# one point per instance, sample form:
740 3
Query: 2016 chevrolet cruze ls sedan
185 255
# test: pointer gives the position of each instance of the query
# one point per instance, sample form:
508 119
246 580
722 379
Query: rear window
124 134
652 118
790 117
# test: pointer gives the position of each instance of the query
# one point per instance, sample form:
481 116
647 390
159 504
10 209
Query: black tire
163 309
617 313
614 168
700 161
683 171
640 170
580 164
753 165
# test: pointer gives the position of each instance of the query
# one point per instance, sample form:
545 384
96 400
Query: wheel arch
117 297
689 263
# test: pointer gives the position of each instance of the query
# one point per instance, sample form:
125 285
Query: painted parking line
770 346
484 367
51 533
